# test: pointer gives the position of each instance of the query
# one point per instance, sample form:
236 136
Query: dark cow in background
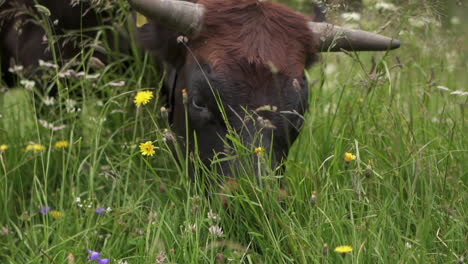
249 54
23 39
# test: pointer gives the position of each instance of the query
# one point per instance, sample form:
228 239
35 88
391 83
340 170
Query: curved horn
335 38
185 17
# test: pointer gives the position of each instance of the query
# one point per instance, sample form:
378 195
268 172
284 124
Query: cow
23 38
237 66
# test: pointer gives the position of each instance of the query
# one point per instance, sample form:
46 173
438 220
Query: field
73 179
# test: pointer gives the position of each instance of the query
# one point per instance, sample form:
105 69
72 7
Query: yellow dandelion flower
147 148
141 20
62 144
348 157
143 97
56 214
343 249
35 147
259 151
3 147
361 100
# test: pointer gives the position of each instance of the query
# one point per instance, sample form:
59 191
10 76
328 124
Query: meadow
73 179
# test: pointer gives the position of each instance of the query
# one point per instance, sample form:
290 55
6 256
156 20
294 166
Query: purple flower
101 211
102 261
93 255
45 209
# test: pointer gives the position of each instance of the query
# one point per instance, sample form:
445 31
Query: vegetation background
402 200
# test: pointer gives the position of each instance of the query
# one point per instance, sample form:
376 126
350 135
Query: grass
403 200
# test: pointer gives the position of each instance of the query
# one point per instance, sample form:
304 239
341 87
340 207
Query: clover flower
61 144
216 230
143 97
35 147
161 257
343 249
213 216
348 157
147 148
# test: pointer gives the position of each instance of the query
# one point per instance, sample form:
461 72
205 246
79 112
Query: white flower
57 128
161 257
92 76
443 88
49 100
78 199
28 85
455 20
70 105
67 73
87 76
213 216
352 16
15 68
461 93
47 64
191 228
45 124
408 245
216 230
117 84
385 6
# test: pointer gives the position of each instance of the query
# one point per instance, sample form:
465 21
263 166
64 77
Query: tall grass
403 200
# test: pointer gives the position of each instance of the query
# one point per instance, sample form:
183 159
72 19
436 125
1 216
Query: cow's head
246 57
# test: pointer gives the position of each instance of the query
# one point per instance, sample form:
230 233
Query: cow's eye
199 106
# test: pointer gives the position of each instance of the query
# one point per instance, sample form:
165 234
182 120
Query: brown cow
246 57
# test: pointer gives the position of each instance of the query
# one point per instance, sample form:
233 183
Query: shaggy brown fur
261 33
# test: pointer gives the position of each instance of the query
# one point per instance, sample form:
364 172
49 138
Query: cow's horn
184 17
335 38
